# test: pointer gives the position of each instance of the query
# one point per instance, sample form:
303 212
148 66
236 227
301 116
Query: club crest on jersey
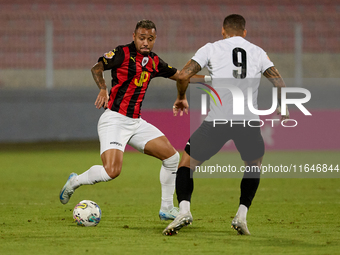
109 55
145 61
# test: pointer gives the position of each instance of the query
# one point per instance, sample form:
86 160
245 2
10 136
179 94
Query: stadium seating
83 30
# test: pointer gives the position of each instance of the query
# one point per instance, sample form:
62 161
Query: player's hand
180 105
102 99
283 117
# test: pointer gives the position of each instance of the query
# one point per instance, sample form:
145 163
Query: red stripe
127 97
156 59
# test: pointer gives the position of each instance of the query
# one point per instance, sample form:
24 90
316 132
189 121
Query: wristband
207 78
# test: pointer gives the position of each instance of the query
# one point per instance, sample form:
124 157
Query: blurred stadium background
48 47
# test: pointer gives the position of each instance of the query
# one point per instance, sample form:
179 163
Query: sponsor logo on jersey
144 77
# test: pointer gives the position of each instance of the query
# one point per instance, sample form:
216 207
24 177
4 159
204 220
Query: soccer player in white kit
235 65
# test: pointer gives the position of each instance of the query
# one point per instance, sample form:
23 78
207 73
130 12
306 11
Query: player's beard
145 53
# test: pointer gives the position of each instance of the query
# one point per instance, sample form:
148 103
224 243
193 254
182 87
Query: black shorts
207 140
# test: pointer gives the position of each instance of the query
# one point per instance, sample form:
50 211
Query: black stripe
114 80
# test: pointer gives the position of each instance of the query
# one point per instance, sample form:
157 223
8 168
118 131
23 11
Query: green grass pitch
288 216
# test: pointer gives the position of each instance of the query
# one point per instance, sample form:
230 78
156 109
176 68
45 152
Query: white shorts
116 130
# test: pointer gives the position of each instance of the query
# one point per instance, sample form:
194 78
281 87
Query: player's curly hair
234 22
144 23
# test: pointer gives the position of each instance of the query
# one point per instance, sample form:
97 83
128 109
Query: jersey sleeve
266 62
202 56
164 70
112 59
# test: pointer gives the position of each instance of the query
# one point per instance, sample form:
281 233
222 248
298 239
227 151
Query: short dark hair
144 23
234 22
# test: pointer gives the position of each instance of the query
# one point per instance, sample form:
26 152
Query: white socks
93 175
184 207
167 177
242 212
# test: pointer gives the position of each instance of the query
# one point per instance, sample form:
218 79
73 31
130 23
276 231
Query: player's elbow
183 77
94 70
97 68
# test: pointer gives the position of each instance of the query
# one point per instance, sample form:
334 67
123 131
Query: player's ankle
184 207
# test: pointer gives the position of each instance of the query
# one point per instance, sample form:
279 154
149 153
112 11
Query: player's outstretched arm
98 75
188 71
273 75
197 78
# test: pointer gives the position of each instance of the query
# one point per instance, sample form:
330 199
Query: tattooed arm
98 75
194 79
272 74
189 70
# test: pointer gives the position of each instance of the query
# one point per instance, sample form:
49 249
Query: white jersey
235 65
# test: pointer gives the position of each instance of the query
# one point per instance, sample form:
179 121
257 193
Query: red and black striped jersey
131 74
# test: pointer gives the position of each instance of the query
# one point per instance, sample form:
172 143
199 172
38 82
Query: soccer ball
87 213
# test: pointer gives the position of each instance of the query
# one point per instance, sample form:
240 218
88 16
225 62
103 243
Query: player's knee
113 171
253 170
171 162
256 162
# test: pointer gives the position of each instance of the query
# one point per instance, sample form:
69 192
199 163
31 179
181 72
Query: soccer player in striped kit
132 67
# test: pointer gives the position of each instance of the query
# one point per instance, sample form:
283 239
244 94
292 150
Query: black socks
184 184
249 185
